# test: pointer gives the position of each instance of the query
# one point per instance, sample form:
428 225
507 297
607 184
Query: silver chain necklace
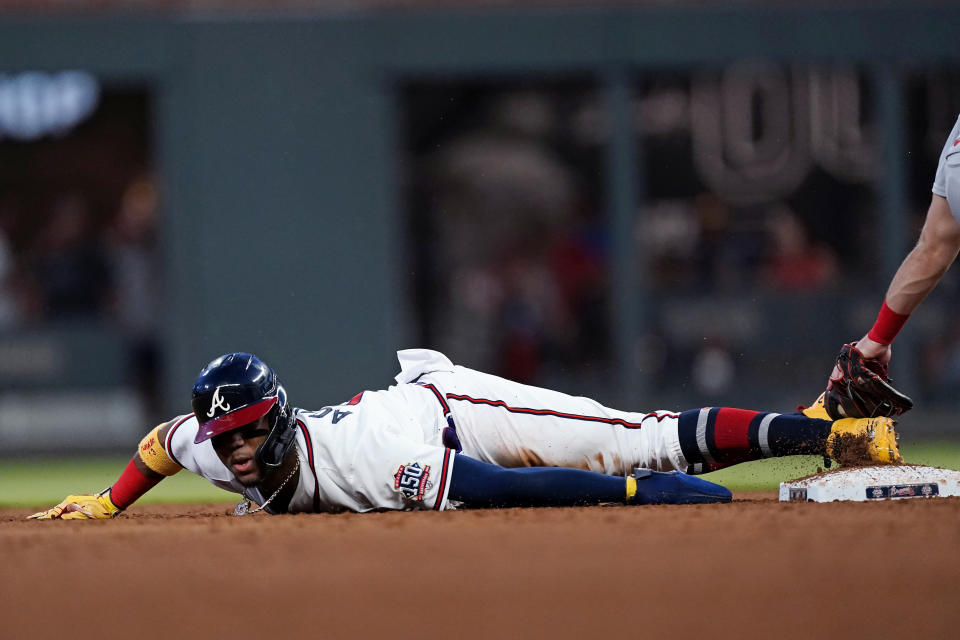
243 507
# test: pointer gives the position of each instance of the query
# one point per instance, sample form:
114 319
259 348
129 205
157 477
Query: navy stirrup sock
716 437
480 484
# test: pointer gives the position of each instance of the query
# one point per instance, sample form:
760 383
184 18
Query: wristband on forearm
888 325
154 456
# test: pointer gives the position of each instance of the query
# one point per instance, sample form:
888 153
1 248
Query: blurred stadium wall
659 206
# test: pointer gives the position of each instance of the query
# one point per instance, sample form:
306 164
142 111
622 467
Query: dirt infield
755 568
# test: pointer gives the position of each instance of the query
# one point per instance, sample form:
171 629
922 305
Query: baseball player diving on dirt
446 436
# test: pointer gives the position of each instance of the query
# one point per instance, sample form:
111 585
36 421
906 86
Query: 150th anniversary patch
412 480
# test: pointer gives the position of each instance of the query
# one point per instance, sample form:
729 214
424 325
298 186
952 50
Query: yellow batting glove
80 507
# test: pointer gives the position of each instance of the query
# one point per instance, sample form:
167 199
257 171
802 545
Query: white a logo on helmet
217 403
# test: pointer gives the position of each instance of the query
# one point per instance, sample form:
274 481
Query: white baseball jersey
394 449
947 181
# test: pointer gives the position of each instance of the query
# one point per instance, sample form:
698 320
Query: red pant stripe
549 412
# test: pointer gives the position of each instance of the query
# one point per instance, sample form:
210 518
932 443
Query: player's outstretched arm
860 371
479 484
919 273
149 465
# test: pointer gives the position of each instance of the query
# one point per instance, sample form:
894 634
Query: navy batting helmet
237 389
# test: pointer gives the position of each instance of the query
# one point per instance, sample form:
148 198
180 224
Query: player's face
236 448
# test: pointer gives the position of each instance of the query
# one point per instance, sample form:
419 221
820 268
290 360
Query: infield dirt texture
755 568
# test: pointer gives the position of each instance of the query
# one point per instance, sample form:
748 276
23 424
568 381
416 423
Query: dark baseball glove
860 388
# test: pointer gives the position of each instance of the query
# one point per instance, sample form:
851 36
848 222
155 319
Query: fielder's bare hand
872 350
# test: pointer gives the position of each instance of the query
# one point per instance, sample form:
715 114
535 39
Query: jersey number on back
338 415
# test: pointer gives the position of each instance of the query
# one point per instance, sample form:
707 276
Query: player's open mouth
242 466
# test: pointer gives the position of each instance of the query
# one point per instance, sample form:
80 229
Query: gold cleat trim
818 408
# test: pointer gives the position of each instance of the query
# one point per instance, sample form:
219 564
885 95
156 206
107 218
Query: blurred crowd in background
79 223
74 265
761 191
